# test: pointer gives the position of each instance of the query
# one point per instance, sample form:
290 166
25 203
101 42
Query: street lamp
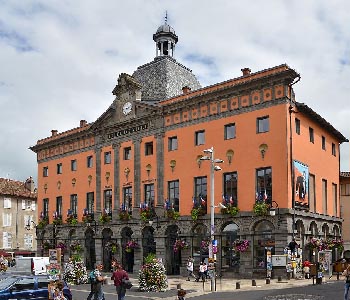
154 216
210 156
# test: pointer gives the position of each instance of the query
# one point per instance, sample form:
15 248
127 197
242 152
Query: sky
60 60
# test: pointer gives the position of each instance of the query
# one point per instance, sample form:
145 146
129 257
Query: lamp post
213 168
154 216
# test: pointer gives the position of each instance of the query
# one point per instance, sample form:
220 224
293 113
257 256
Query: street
331 290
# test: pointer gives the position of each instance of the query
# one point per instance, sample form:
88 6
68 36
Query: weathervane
166 17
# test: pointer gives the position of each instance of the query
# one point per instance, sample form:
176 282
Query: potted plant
196 212
57 220
112 247
145 212
261 208
71 219
172 214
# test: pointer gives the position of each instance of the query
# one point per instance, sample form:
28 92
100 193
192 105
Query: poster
325 261
301 184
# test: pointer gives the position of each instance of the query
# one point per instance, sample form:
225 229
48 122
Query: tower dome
166 40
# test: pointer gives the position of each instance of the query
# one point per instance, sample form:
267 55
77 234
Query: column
116 179
98 151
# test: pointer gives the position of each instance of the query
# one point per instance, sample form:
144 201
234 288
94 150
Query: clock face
127 107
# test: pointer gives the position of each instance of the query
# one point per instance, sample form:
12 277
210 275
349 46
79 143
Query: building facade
143 157
345 209
18 217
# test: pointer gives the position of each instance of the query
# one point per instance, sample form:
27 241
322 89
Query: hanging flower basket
261 208
112 247
87 218
104 218
145 214
230 210
205 246
57 221
76 247
124 215
131 245
179 245
62 246
197 212
240 245
172 214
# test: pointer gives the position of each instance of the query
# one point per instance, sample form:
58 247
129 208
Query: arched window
263 239
199 244
229 258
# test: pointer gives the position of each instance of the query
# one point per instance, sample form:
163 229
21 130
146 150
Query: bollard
253 282
267 280
279 278
238 285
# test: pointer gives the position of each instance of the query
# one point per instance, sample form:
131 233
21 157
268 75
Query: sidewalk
194 288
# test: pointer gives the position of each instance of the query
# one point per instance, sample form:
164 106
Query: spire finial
166 17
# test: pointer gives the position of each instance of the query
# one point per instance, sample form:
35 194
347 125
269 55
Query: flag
223 199
265 195
256 196
202 201
231 200
165 204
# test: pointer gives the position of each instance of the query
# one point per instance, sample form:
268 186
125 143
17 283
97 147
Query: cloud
60 60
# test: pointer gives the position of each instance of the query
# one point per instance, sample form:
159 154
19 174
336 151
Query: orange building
141 160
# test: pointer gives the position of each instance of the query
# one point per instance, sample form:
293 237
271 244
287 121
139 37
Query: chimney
186 90
54 132
246 71
82 123
29 184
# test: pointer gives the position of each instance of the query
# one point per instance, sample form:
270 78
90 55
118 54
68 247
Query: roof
318 119
9 187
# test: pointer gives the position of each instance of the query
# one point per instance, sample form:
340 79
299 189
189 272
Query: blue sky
60 60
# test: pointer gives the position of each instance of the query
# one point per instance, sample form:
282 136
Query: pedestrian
181 293
117 276
201 272
190 268
96 280
346 273
293 246
58 294
306 269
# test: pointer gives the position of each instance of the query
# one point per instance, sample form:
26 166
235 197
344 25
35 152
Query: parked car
28 287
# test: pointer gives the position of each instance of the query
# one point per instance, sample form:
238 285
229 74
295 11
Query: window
263 124
108 202
173 194
59 168
324 196
45 171
46 208
345 189
335 198
172 143
149 148
311 135
334 152
297 126
28 241
323 143
6 219
107 157
230 258
28 221
262 238
264 185
312 195
199 137
74 205
24 284
7 202
73 165
230 188
127 199
200 192
59 206
230 131
127 153
149 194
89 161
27 204
7 240
90 203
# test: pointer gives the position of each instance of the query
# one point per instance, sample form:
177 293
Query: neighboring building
18 216
146 147
345 209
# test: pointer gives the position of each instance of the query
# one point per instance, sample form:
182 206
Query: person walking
190 268
346 273
96 283
117 276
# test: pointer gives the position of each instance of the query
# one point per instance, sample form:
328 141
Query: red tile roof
9 187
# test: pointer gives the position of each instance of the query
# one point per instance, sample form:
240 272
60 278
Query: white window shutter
4 240
9 203
23 204
10 219
4 220
26 221
33 205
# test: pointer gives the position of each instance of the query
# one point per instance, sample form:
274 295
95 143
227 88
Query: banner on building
301 184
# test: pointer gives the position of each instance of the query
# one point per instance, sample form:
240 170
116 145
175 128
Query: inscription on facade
127 131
